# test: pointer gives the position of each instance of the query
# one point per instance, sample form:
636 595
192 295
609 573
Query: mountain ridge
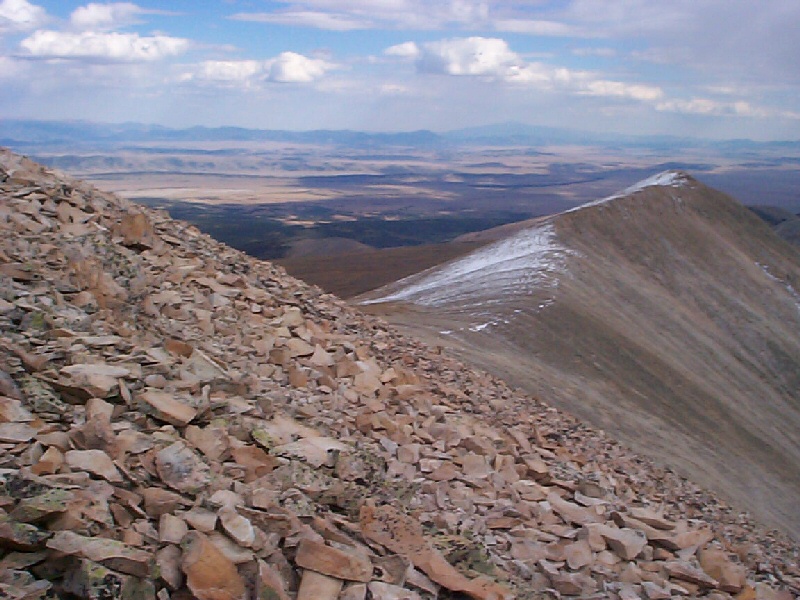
671 304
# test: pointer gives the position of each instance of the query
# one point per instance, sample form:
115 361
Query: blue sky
706 68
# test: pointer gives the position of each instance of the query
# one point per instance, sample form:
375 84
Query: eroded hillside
178 420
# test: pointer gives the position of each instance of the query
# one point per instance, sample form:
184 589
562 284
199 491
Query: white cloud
404 50
287 67
229 71
362 14
307 18
709 107
115 47
468 56
492 58
20 15
290 67
537 27
744 41
534 74
697 106
104 16
601 87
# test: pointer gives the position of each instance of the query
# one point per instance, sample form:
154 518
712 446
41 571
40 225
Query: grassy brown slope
667 332
348 275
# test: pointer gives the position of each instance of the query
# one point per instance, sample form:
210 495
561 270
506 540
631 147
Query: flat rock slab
16 433
99 380
95 462
334 562
112 553
166 407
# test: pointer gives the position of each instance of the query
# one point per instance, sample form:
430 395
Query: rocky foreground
178 420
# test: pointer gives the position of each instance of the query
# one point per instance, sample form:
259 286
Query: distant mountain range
14 132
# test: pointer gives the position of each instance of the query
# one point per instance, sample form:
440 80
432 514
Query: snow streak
514 266
665 178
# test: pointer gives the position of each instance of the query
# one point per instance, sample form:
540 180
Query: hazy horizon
710 69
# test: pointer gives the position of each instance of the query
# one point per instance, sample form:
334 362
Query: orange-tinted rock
651 518
96 462
403 535
166 407
158 501
237 527
209 575
137 232
316 586
269 583
171 529
334 562
571 512
111 553
686 572
717 565
578 554
168 560
16 433
626 543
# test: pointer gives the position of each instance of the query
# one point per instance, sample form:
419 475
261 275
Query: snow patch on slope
516 265
527 264
792 292
665 178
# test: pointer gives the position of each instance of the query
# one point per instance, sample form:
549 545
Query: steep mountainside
178 420
668 315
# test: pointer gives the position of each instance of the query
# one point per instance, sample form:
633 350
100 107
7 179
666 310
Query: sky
700 68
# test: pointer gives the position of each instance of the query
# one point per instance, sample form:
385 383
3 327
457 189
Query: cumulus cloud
111 47
287 67
492 58
290 67
468 56
20 15
104 16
